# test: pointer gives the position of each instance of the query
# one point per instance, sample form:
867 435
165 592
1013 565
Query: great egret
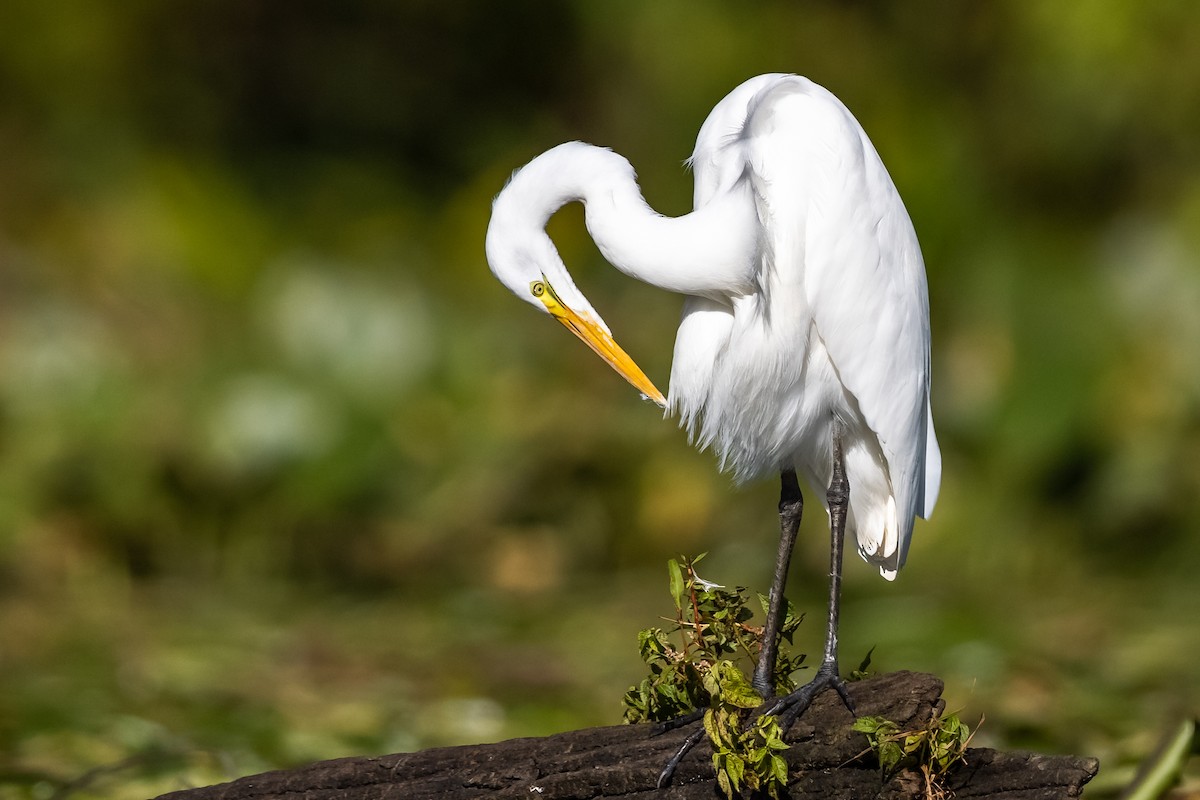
804 343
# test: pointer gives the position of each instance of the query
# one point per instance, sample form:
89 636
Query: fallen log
826 760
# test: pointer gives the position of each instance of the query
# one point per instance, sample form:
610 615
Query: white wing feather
838 228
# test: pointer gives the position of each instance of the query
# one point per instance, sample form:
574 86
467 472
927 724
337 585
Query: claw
668 771
792 707
796 703
678 722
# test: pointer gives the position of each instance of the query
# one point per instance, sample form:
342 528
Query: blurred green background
286 475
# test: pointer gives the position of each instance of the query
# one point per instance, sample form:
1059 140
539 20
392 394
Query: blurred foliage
286 475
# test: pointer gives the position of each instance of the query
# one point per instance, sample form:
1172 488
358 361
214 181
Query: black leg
827 676
791 508
693 739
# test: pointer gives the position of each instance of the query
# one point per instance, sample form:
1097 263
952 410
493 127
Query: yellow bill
599 340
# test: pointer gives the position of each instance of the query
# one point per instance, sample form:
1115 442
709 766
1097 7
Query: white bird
804 343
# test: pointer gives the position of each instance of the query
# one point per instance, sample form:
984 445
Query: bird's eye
538 288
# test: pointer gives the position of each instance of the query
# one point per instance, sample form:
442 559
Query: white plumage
806 296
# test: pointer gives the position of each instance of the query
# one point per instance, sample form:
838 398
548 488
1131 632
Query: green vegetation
933 749
286 475
717 644
710 670
1160 772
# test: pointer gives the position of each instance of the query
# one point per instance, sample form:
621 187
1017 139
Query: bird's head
524 259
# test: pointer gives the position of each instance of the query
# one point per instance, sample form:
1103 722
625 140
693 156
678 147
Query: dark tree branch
624 761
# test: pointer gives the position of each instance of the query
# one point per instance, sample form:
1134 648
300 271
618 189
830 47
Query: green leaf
779 770
957 729
776 743
734 688
722 775
675 575
874 725
889 755
863 667
865 724
765 602
736 767
717 733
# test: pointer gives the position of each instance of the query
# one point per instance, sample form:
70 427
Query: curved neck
710 251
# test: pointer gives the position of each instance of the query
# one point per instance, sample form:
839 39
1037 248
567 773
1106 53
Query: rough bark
826 761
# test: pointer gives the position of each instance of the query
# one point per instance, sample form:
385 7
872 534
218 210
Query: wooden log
826 761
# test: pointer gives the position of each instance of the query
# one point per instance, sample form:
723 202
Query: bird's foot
789 707
693 739
682 721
